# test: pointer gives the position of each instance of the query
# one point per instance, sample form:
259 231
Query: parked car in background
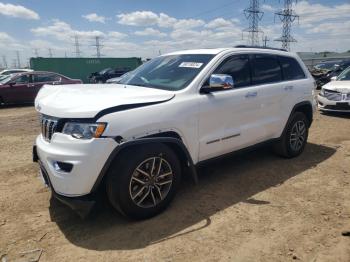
114 80
337 69
14 71
335 96
23 87
323 72
108 73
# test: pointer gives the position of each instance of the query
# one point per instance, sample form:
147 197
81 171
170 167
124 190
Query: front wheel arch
174 143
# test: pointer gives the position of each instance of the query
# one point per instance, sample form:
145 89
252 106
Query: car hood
339 86
94 100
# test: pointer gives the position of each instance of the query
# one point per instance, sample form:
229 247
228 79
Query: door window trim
219 63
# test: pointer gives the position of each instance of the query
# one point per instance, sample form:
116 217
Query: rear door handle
288 88
251 94
31 85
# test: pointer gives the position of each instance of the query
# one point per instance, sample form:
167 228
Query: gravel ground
251 207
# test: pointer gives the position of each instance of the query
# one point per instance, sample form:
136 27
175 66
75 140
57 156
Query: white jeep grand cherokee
135 139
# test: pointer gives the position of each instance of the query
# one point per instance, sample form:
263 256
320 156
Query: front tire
143 181
294 138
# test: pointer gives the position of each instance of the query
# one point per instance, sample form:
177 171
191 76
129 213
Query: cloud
332 28
148 18
93 17
18 11
219 23
166 21
150 32
188 23
138 18
5 37
117 35
64 32
314 13
268 8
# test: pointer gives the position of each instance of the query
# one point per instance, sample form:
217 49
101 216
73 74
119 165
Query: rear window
266 69
291 68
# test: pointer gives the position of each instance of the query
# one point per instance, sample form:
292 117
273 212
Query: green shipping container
81 68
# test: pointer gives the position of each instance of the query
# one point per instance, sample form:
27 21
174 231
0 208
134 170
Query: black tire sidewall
119 179
298 116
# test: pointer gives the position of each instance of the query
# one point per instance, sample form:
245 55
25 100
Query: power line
214 9
254 15
287 16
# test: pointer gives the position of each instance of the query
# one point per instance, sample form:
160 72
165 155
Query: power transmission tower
98 46
287 16
36 52
254 15
77 46
18 60
4 61
265 40
14 63
50 53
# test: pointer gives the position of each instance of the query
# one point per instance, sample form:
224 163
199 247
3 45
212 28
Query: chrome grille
333 95
48 127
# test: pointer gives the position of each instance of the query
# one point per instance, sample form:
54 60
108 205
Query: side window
266 69
291 68
23 79
238 67
46 78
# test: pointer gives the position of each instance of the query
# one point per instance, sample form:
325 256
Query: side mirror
333 78
218 82
11 84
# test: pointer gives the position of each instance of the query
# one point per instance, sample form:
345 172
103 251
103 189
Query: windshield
172 72
345 75
105 71
4 79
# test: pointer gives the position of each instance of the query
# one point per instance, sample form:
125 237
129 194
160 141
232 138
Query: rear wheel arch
305 108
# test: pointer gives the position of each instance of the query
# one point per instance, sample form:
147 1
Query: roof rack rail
261 47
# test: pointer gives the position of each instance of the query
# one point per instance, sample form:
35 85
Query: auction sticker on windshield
191 64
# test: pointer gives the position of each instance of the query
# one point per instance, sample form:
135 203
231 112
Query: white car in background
335 95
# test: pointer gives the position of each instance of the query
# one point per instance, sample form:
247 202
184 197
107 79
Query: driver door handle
31 85
288 88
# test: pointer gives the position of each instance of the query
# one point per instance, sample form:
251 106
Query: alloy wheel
150 182
298 135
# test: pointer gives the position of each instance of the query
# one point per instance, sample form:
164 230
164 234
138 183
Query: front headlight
84 130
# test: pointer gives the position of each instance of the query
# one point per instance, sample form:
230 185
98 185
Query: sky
139 28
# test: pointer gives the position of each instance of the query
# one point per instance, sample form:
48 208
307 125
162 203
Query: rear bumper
81 205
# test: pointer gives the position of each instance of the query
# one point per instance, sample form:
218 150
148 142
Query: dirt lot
251 207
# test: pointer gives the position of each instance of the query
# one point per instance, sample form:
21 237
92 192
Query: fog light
62 167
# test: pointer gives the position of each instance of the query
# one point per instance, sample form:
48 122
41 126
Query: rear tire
294 138
143 180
